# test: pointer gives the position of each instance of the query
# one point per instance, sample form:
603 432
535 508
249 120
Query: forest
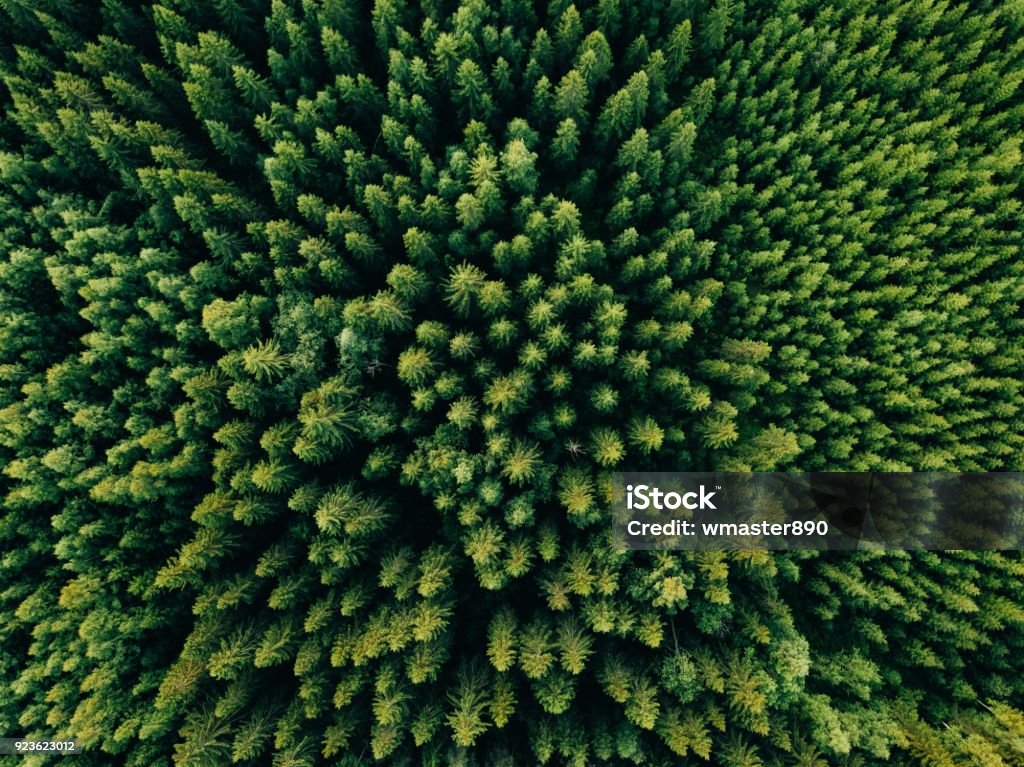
324 325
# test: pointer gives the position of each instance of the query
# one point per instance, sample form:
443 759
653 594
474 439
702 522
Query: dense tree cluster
324 323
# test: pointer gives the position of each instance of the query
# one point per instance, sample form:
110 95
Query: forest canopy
324 323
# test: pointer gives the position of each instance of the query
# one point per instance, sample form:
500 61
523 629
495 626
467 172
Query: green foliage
325 323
